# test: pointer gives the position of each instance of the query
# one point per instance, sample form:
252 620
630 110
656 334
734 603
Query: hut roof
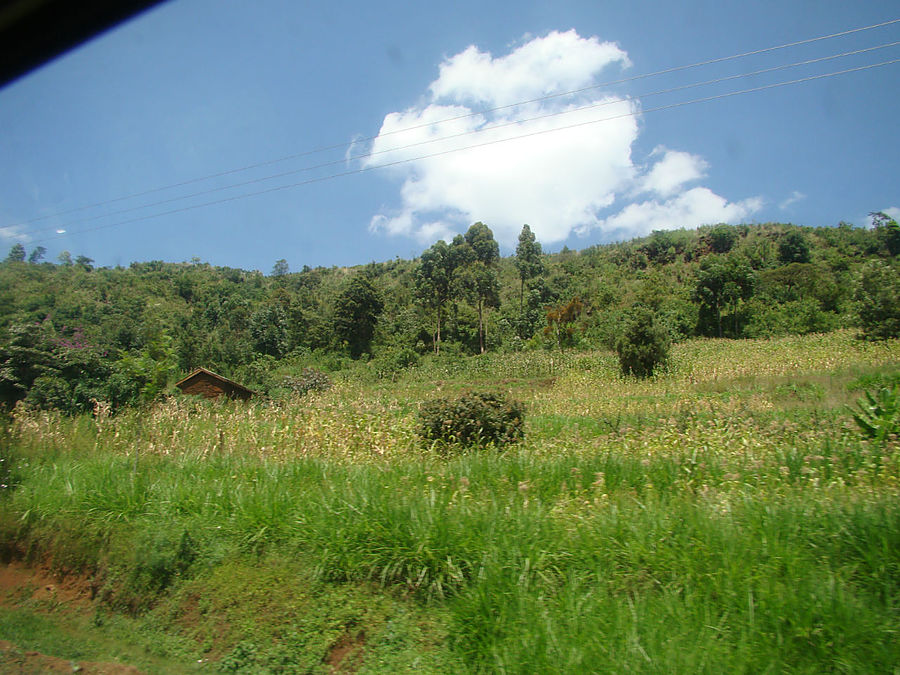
229 387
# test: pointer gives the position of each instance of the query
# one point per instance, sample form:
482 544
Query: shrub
309 380
644 344
392 362
472 419
50 391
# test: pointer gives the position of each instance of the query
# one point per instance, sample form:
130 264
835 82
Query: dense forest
73 335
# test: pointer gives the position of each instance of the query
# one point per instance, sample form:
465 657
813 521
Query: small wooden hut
203 382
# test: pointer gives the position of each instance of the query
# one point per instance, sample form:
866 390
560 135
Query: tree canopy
356 312
528 260
72 333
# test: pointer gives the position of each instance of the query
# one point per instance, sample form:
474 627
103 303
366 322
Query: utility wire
484 129
455 118
480 145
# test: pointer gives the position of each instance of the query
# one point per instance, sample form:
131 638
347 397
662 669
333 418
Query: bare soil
346 655
20 584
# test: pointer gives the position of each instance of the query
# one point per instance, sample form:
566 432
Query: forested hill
72 334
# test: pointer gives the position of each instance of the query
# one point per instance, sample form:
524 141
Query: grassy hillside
725 516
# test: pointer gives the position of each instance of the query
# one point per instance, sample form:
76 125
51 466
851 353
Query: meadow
726 515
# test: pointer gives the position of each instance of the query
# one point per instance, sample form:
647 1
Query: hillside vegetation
72 335
735 508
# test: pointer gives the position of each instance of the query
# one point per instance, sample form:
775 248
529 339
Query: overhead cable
481 130
451 119
477 145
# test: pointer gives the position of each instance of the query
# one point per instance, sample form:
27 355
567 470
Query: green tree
433 280
479 275
481 239
142 376
269 329
877 298
478 284
459 254
529 262
26 354
722 238
539 295
16 253
37 255
793 248
722 283
50 391
644 344
280 268
52 370
661 246
887 232
798 281
356 312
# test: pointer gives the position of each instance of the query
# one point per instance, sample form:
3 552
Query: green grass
726 516
80 637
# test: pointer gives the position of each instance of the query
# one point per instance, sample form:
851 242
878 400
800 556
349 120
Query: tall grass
683 524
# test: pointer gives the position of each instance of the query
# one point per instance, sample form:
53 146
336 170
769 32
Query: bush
309 380
644 345
472 419
392 362
50 391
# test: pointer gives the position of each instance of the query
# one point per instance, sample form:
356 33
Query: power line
484 129
451 119
480 145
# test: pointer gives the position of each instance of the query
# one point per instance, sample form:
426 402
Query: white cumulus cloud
698 206
541 66
559 164
670 173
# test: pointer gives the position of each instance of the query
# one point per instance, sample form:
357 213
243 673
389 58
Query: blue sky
195 88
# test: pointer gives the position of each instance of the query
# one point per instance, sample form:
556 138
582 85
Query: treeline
73 336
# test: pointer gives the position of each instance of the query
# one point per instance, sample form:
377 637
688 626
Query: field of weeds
725 516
